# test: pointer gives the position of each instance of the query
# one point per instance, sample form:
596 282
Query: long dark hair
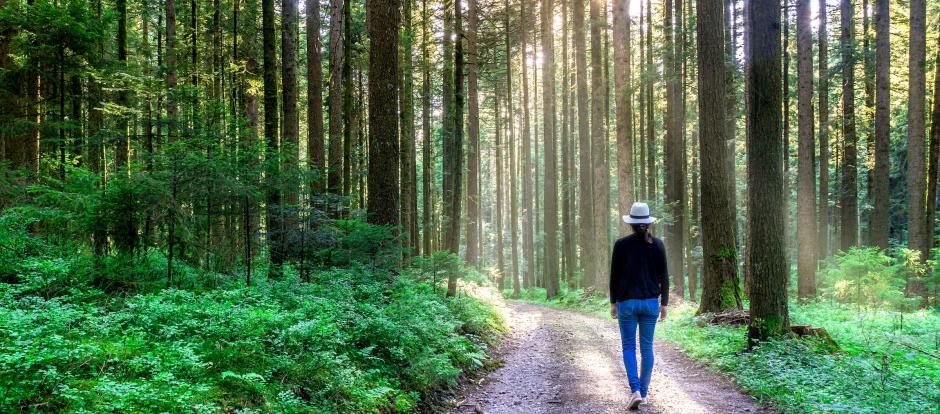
648 232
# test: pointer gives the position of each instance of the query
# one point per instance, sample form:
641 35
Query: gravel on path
568 362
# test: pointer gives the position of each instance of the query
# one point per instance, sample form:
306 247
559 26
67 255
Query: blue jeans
642 313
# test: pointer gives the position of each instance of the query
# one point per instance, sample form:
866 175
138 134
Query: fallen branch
806 331
733 317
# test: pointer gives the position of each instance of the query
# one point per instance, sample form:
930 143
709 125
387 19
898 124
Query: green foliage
358 338
884 365
342 242
868 277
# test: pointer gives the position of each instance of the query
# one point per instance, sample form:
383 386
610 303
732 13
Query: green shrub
79 334
869 278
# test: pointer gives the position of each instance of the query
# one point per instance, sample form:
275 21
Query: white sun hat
639 214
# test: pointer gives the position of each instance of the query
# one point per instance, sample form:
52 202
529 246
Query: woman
639 291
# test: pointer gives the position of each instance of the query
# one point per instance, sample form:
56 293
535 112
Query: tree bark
651 75
916 171
720 284
290 125
349 126
273 225
513 197
823 98
806 179
586 196
880 218
622 77
383 21
122 148
849 193
934 156
731 106
498 158
567 160
786 128
674 191
453 237
640 159
409 189
868 163
315 147
601 181
550 192
768 268
335 103
528 214
473 144
428 227
171 110
8 142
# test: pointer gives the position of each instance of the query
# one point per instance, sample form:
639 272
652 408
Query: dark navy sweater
638 270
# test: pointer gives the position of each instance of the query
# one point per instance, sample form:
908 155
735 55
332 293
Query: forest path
561 361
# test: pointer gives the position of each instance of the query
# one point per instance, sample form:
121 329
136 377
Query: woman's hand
613 311
662 313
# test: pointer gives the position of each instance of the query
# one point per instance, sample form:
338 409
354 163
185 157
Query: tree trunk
823 98
498 158
641 170
513 197
384 19
651 75
601 183
720 285
806 179
880 218
934 156
8 144
335 103
122 148
674 184
586 196
427 144
849 192
868 63
528 215
447 130
916 172
731 106
348 114
273 225
550 192
290 125
766 250
622 77
473 145
538 236
786 128
409 196
315 147
453 237
171 114
567 160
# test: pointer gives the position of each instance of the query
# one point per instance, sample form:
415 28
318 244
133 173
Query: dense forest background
213 165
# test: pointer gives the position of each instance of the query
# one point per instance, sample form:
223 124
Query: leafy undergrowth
889 362
354 339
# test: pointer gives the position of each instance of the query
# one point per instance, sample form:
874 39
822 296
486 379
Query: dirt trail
558 361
